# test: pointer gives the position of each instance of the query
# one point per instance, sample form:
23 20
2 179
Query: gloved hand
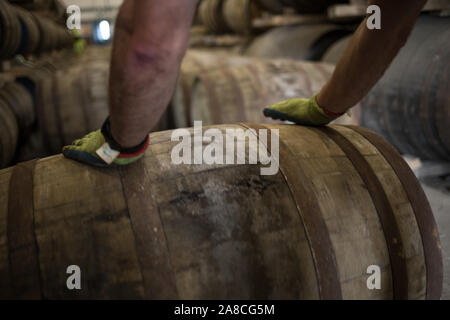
99 149
301 111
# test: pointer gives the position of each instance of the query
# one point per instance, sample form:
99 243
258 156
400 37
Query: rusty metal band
22 244
311 215
385 213
150 239
421 208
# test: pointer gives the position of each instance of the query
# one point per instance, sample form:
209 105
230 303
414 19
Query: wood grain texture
160 230
22 244
9 134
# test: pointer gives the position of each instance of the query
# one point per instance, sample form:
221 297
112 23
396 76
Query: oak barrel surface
195 63
342 200
9 134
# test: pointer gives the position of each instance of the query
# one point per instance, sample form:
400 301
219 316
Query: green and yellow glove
301 111
99 149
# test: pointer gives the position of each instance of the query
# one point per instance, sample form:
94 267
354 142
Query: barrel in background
336 50
195 63
410 106
20 101
9 32
239 14
240 93
210 13
310 6
342 200
25 32
304 42
9 134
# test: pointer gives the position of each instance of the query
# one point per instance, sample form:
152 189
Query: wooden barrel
342 202
194 63
335 52
311 6
30 32
305 42
240 93
9 134
48 34
238 15
410 105
70 102
210 12
76 110
10 31
20 101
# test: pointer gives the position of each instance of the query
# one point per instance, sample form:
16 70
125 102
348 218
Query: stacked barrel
342 200
410 106
236 16
25 32
48 105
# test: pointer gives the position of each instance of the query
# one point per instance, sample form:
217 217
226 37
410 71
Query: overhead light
104 30
101 31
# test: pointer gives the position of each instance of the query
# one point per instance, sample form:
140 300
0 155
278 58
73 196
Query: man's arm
369 54
367 57
149 43
150 40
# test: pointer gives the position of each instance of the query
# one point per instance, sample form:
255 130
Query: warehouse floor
437 190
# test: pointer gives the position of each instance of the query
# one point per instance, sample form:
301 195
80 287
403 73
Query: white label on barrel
107 154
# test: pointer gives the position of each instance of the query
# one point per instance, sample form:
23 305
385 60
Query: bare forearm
150 41
369 54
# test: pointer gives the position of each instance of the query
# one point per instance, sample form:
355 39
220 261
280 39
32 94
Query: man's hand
99 149
301 111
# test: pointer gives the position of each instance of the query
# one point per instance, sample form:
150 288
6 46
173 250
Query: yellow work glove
300 111
99 149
